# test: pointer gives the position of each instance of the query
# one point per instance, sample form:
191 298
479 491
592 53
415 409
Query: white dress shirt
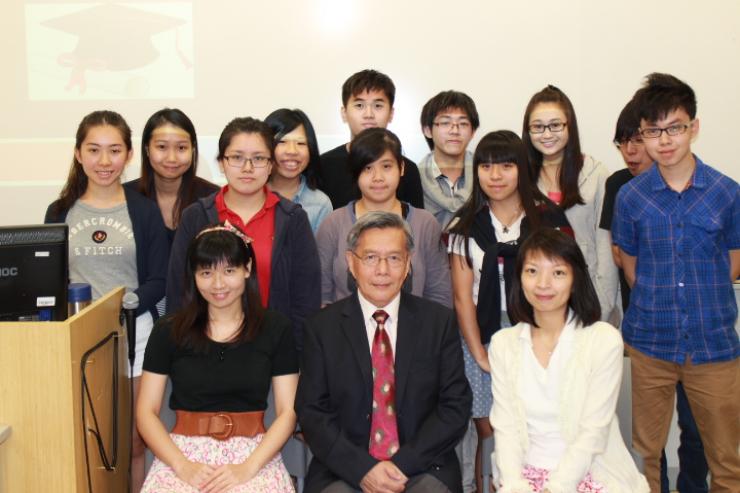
391 323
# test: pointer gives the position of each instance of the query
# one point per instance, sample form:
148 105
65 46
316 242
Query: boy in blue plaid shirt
678 230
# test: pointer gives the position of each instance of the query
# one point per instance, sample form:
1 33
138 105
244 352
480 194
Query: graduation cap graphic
111 37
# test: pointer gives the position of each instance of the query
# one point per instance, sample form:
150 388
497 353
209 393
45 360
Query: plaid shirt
682 303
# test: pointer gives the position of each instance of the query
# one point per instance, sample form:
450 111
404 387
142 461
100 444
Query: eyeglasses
672 130
395 260
447 125
539 128
635 140
238 161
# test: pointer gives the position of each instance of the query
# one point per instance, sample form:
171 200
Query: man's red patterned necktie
383 429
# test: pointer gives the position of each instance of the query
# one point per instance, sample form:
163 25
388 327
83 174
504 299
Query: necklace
507 226
550 349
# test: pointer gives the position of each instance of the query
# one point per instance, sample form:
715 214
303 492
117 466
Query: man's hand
384 477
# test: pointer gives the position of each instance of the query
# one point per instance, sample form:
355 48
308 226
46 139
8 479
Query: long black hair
186 194
554 244
216 245
572 164
502 146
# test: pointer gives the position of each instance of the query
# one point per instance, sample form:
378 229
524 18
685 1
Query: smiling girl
296 172
572 180
223 352
169 161
556 377
484 240
116 236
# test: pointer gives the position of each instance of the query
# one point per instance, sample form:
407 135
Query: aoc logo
8 271
99 236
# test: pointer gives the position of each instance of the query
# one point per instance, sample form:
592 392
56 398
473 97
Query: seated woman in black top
222 351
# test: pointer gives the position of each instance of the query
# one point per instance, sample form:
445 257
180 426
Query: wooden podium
42 399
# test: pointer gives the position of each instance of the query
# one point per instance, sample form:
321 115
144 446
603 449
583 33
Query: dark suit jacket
334 398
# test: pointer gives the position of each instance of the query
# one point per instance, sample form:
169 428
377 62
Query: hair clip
227 226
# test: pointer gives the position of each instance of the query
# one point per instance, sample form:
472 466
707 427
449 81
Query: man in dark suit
382 397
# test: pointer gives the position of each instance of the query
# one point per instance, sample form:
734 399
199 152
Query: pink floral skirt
538 477
272 478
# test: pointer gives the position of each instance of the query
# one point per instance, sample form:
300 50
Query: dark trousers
693 468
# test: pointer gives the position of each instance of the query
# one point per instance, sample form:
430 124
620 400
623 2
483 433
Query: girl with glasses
484 239
376 165
572 180
287 265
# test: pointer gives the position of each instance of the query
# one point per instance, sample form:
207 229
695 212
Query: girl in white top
556 377
572 180
483 243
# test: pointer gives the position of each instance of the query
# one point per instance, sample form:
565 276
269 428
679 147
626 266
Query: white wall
220 59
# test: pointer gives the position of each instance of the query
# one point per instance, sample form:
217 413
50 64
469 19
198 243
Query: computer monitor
33 272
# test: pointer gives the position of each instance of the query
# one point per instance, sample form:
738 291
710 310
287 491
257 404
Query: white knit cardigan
587 414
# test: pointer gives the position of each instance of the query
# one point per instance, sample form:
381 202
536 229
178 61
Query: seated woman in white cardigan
555 380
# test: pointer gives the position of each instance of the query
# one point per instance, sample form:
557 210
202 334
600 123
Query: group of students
244 266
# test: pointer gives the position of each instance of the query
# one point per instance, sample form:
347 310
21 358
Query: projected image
109 51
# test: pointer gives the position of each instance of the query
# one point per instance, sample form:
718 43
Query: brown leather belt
219 425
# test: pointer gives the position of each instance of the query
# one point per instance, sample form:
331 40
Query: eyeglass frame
246 160
448 124
547 127
677 128
367 262
632 140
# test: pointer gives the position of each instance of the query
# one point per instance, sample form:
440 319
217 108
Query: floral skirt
272 478
538 477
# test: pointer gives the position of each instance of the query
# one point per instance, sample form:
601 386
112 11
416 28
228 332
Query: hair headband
227 226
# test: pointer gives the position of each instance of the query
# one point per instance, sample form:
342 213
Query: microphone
130 304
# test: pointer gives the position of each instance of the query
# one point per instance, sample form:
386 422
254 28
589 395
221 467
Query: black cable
108 464
131 421
131 359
